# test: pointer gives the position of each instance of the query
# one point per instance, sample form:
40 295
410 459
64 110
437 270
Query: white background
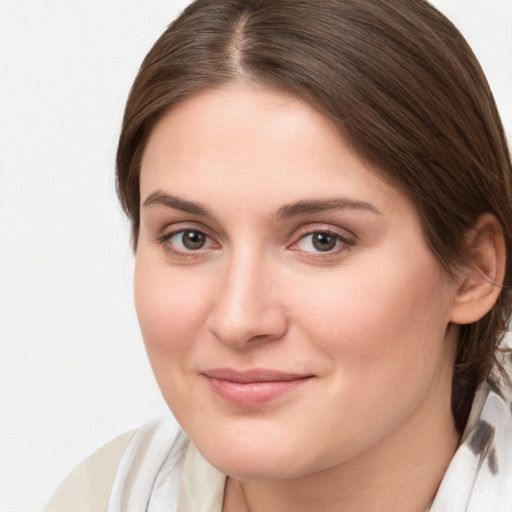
73 371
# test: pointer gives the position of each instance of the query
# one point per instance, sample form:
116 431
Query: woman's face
293 315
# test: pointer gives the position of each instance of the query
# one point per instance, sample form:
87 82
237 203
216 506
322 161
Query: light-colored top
154 469
157 469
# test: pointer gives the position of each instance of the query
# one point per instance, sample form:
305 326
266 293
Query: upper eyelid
343 239
177 227
324 228
175 232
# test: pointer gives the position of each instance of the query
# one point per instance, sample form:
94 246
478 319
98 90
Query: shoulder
88 486
126 473
479 477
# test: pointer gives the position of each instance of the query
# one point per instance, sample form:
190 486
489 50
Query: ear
481 280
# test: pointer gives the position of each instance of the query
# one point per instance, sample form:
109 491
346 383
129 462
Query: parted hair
403 87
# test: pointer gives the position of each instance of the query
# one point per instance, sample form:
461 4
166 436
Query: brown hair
405 90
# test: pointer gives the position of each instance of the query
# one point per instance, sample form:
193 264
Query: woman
320 195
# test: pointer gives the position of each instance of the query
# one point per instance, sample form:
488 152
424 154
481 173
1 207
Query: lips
253 387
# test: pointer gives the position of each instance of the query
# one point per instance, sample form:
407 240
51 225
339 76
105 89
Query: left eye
321 241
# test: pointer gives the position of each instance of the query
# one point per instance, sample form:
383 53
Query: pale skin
266 243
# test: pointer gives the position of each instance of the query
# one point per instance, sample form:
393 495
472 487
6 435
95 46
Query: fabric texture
479 477
160 470
89 486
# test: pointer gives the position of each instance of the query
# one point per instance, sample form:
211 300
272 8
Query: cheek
169 309
378 317
382 338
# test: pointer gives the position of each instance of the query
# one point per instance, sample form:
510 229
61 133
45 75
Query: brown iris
193 240
323 241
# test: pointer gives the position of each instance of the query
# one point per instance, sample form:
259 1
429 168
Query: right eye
186 241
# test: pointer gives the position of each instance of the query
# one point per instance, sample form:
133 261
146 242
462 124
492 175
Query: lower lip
251 394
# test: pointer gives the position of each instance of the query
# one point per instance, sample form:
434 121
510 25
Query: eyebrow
323 205
159 198
287 211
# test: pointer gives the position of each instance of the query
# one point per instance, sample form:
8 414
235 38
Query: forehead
258 144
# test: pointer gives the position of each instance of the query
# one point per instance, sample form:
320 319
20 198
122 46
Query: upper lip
253 375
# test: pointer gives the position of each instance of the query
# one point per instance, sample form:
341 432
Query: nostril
238 328
245 307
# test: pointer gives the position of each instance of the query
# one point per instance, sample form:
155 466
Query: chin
246 460
256 467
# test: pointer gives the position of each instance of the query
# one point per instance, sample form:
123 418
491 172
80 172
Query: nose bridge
246 306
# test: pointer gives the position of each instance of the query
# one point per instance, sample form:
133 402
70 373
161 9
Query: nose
248 306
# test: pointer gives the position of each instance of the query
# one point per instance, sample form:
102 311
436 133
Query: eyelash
165 242
347 243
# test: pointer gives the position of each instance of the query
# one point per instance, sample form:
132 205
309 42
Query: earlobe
481 280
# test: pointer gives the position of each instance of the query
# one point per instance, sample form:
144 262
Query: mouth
254 387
